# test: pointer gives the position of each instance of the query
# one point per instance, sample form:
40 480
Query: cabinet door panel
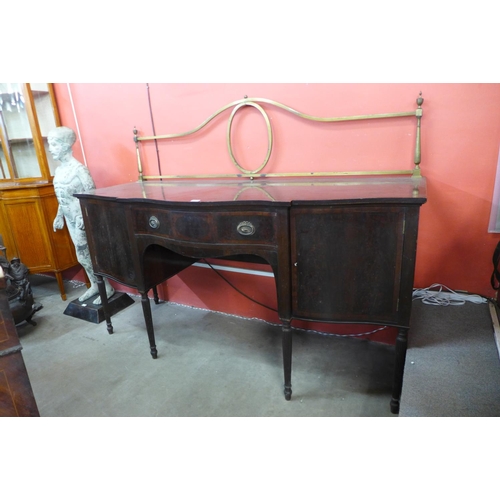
26 219
347 262
109 241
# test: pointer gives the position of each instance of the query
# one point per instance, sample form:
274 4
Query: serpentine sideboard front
342 251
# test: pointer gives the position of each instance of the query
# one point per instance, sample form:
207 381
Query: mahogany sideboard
342 251
16 395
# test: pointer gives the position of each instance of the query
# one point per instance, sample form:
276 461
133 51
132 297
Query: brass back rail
255 102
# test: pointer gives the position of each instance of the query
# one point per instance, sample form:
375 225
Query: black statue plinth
94 313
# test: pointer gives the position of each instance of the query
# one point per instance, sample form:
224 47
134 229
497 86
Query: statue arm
87 184
59 219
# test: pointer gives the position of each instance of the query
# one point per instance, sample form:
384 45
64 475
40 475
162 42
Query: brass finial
420 99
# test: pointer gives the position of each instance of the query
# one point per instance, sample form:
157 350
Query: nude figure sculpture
72 177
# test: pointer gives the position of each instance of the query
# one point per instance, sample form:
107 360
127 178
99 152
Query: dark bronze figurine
19 291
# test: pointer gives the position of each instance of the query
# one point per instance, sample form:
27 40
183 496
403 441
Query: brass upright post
418 114
139 164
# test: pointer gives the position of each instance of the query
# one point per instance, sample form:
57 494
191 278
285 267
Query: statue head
61 140
63 134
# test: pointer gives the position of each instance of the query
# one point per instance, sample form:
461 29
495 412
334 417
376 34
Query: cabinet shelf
20 140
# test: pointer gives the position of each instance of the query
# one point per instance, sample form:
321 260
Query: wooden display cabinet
28 204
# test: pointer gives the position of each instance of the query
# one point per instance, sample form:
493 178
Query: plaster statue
72 177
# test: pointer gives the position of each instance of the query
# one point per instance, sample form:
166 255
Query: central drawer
197 226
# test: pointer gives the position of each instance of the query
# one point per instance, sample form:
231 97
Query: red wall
460 144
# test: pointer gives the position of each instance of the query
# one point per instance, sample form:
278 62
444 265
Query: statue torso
70 178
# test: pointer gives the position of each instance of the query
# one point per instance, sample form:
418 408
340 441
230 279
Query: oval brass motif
245 228
154 222
269 137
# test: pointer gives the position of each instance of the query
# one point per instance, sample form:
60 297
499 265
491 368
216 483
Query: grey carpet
208 365
452 365
211 364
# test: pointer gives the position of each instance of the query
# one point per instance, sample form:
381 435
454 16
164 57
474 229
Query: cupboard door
108 238
26 219
347 263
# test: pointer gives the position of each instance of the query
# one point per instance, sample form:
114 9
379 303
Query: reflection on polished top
292 190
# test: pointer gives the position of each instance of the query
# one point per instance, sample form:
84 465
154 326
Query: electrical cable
275 310
235 288
76 123
441 295
278 325
153 127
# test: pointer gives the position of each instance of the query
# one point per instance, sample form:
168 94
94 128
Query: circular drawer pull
154 222
245 228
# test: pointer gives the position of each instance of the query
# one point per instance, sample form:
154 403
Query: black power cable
154 131
235 288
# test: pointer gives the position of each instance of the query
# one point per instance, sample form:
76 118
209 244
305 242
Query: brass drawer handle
154 222
245 228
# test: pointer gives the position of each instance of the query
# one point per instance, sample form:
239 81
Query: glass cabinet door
27 114
45 105
4 169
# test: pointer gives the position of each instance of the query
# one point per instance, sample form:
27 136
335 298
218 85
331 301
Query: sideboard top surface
289 191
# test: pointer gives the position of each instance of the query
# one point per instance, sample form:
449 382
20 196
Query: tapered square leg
104 302
287 358
148 318
401 348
